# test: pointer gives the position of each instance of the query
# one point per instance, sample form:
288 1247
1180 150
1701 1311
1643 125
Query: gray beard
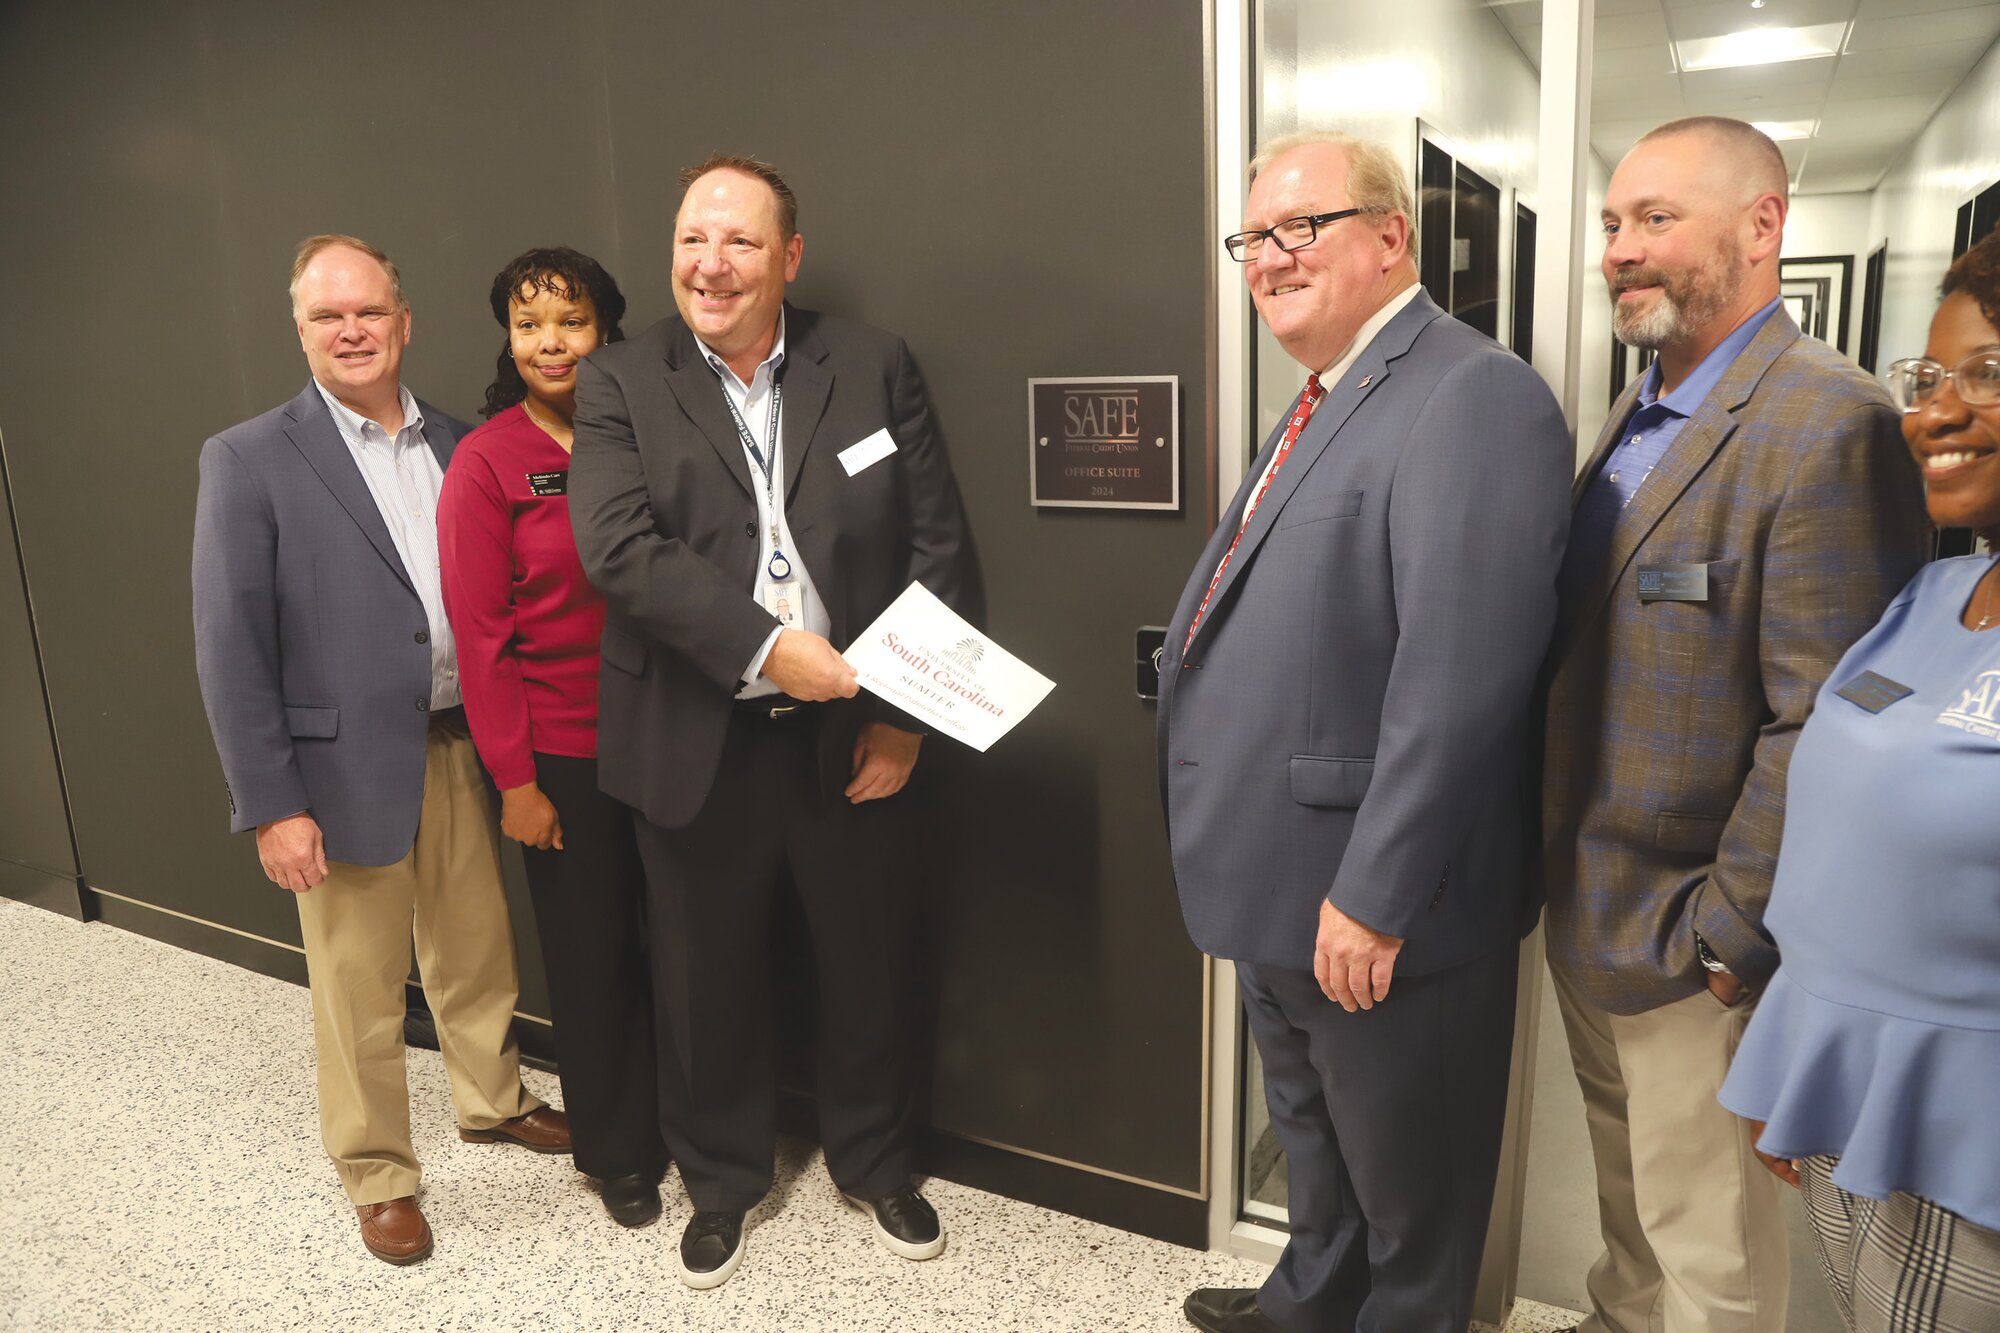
1685 306
1662 326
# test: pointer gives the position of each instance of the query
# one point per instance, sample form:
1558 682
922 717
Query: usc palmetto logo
966 652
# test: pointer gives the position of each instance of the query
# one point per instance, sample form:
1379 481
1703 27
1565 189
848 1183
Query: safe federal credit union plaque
1105 442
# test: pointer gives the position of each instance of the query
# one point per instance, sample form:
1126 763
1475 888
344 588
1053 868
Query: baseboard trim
61 894
286 962
1142 1209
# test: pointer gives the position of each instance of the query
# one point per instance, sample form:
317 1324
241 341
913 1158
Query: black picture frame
1837 272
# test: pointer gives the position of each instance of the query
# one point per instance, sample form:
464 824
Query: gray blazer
310 640
1352 722
1671 724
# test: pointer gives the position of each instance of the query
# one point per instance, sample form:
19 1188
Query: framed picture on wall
1458 229
1976 216
1806 303
1876 272
1819 286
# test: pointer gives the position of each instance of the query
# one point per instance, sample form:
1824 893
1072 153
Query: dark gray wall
1017 189
37 861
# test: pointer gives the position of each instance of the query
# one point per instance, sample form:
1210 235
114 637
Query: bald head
1743 161
1693 219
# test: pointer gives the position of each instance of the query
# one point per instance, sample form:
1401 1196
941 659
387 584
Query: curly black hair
554 268
1977 274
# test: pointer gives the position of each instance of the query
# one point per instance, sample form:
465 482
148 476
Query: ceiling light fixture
1786 129
1759 46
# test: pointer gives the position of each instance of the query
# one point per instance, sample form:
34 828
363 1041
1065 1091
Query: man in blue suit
328 671
1344 746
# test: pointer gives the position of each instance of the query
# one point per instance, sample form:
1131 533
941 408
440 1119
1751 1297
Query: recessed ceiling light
1760 46
1786 129
1756 4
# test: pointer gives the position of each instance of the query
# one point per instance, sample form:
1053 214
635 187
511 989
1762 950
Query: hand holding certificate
924 658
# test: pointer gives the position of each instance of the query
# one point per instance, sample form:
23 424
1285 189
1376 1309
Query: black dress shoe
905 1223
711 1247
632 1201
1228 1310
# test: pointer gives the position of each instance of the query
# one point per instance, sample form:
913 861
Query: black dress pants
1390 1119
589 911
711 887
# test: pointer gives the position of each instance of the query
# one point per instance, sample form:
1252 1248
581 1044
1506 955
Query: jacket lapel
314 434
808 385
698 390
442 440
1607 440
1713 422
1364 377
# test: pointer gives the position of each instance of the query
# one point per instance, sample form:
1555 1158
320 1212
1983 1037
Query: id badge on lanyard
781 594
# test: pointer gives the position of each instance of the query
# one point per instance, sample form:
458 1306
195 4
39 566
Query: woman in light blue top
1874 1057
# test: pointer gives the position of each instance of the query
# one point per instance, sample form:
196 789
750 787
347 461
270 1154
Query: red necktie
1300 415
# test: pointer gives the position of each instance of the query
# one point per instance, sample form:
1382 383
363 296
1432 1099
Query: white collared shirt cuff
756 667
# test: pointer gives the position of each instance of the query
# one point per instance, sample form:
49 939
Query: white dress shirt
753 402
404 477
1364 335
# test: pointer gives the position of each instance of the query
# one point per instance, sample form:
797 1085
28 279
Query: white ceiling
1900 60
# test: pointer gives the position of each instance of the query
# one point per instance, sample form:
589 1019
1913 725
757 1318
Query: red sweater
526 620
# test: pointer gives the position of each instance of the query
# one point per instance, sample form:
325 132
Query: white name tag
867 453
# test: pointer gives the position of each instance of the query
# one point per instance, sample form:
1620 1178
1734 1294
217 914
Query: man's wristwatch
1708 958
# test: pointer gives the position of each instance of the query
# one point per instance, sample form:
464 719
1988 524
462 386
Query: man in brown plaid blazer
1746 515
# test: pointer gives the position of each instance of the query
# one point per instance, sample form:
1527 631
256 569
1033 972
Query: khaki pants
357 925
1693 1224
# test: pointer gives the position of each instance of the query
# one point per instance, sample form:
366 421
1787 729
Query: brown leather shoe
543 1129
395 1232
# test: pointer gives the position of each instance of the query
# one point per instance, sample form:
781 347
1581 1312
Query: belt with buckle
775 707
450 719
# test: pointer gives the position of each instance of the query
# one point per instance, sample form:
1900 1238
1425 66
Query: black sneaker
711 1247
632 1201
904 1223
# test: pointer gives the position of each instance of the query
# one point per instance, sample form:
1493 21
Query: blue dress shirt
1646 436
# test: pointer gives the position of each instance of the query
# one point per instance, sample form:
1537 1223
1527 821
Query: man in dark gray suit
753 484
1343 747
327 667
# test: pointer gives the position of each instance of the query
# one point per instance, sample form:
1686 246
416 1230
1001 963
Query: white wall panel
1377 71
1594 403
1957 154
1830 224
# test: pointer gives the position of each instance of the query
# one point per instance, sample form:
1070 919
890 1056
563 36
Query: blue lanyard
779 568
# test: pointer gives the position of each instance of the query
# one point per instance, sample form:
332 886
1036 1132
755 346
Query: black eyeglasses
1291 234
1915 381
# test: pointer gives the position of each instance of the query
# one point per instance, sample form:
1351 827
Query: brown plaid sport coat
1670 723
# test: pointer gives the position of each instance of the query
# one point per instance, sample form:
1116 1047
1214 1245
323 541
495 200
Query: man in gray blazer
752 485
1344 735
1746 515
327 668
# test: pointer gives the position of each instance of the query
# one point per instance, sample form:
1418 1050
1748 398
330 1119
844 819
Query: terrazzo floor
160 1170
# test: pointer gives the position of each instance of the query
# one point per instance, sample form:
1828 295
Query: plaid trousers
1903 1265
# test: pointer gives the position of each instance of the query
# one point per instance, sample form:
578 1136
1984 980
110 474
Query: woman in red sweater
527 624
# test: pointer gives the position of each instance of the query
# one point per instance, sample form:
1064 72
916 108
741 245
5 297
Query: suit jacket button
423 705
749 529
423 636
